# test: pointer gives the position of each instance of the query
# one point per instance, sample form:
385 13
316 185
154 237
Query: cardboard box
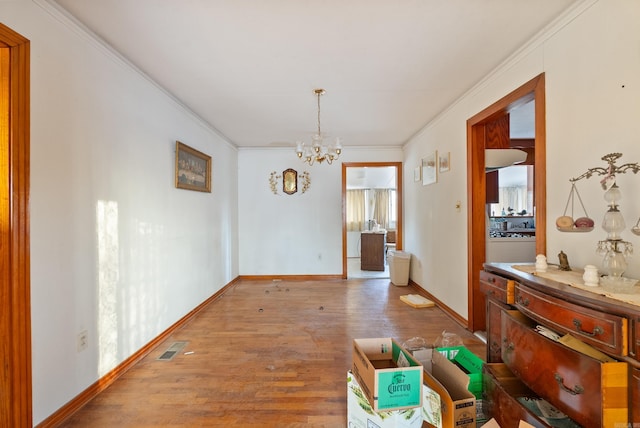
423 356
360 414
447 401
389 376
469 363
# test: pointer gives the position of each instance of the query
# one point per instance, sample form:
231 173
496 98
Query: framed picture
444 161
289 181
193 169
417 173
430 168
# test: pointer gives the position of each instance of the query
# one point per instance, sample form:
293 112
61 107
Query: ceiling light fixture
319 151
501 158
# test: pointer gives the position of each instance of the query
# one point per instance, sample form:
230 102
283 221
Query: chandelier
614 249
319 151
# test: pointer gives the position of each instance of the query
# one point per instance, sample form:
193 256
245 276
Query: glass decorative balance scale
614 249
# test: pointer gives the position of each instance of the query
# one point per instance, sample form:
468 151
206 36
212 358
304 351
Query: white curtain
356 201
382 206
514 198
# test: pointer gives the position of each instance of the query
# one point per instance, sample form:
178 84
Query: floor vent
172 351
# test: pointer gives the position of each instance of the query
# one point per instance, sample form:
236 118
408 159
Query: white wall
591 61
299 234
116 249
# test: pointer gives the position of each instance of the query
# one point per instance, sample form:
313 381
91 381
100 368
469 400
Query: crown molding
72 23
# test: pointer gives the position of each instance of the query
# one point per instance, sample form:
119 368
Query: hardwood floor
266 353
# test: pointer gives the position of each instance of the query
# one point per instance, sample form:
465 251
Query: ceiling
249 67
379 177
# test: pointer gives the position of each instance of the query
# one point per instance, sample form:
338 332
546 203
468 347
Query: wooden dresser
600 388
372 251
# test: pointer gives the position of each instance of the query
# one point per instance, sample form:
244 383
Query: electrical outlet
83 340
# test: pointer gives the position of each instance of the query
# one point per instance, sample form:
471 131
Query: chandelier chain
319 93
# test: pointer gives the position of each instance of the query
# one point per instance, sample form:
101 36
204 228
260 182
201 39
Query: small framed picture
430 168
444 162
290 181
193 169
417 173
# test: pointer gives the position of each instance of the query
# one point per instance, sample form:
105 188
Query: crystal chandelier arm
611 169
589 173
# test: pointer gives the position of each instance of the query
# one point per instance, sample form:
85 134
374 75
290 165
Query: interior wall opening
486 130
372 217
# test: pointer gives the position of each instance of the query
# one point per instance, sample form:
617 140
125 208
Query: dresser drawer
501 391
494 334
603 331
497 287
590 392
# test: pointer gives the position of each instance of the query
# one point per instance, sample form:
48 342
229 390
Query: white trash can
399 262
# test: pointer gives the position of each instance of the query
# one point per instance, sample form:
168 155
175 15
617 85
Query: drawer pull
508 346
491 279
573 391
596 331
523 302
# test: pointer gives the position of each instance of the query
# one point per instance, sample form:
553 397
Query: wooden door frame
476 187
399 214
15 298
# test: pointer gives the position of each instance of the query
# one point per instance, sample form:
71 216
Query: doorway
15 314
479 129
362 172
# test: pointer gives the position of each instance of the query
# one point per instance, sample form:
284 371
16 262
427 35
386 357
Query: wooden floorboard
266 353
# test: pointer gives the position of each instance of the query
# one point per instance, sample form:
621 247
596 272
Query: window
515 191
